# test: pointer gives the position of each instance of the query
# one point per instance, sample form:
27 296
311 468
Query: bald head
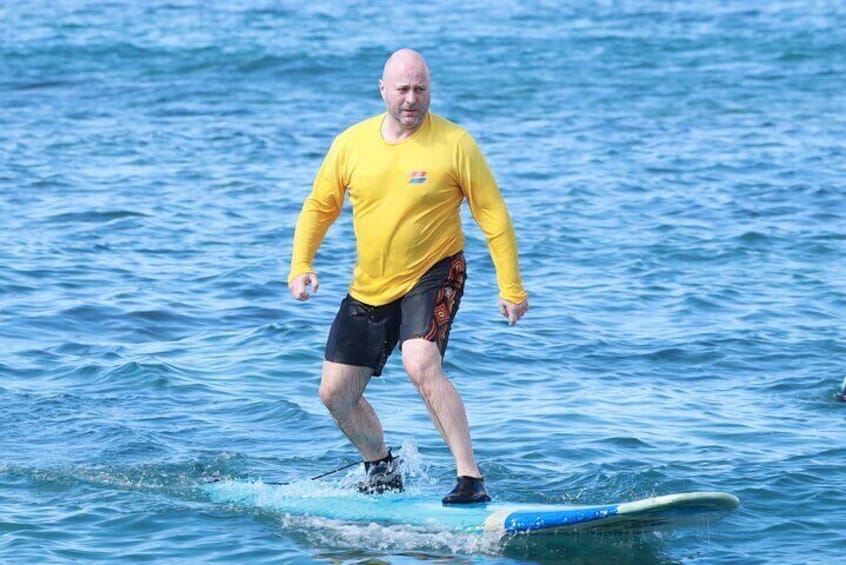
404 61
405 89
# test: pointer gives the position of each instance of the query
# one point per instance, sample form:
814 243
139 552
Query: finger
521 310
298 290
315 282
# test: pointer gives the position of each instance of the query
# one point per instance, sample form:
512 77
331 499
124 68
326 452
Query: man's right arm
319 211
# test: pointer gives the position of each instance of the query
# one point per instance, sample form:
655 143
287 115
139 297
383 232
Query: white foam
328 533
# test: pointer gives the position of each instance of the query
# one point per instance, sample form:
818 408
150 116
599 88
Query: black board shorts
365 335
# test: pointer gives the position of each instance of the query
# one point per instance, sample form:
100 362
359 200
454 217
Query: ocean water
675 172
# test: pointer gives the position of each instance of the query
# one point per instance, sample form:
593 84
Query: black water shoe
383 475
468 490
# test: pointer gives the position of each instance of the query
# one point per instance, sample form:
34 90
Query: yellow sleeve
490 212
320 210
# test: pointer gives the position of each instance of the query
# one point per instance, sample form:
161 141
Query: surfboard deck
416 509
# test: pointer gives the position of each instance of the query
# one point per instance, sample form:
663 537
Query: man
407 172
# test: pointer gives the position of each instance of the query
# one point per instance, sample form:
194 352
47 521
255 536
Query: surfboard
499 519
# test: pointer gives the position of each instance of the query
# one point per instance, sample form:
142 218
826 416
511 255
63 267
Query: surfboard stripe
520 522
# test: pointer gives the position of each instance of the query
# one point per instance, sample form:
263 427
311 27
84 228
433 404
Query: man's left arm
490 212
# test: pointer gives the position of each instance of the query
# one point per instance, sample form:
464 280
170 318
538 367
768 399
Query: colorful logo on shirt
417 177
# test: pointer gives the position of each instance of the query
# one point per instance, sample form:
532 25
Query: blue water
675 172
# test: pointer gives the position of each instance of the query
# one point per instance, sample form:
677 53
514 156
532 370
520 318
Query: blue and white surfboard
499 519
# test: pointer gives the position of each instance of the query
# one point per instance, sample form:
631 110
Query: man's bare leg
422 361
341 390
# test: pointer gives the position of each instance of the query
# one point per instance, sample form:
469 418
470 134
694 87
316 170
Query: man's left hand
513 311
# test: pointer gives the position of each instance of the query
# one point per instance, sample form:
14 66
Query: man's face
405 90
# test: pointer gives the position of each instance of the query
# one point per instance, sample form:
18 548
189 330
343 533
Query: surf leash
217 479
321 475
333 471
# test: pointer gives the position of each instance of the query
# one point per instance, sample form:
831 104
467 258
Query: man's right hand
299 286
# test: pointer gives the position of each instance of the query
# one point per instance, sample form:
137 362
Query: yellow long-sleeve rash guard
406 199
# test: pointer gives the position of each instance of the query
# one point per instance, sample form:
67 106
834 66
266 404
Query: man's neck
393 132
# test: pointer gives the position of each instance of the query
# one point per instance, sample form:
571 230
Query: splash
415 471
339 535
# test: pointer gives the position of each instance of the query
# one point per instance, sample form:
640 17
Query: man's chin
411 121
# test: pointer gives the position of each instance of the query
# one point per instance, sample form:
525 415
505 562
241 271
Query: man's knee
330 394
422 361
341 386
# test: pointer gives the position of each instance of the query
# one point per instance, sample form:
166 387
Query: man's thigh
362 335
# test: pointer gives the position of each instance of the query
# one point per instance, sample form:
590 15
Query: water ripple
674 173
